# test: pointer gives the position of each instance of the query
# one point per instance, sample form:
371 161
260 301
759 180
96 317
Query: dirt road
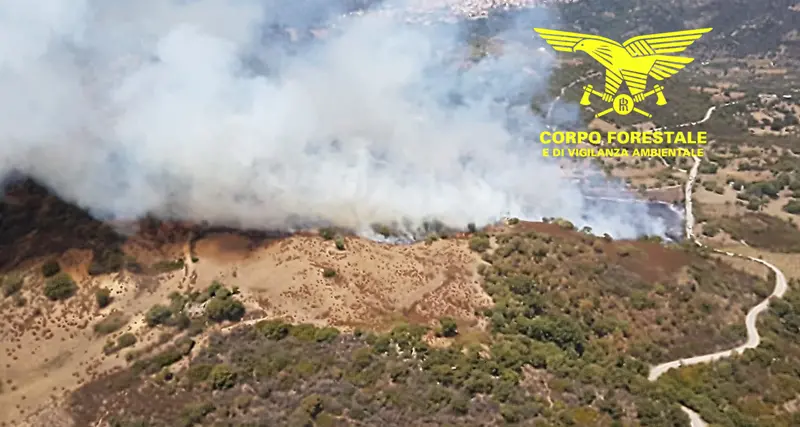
753 337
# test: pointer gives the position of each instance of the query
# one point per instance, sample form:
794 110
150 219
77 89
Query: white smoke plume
201 110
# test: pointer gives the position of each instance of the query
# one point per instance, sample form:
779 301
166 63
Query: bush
50 268
157 315
328 273
221 309
449 328
194 413
111 324
108 261
60 287
792 207
273 329
327 233
222 377
11 284
339 243
326 334
167 266
199 373
479 243
103 297
126 340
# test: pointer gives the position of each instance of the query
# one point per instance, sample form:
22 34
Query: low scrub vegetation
123 341
220 303
103 297
51 268
11 284
60 287
574 326
761 231
112 323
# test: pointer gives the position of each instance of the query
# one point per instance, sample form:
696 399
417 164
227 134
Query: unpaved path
751 319
753 337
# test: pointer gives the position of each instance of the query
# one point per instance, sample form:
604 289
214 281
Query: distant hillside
740 27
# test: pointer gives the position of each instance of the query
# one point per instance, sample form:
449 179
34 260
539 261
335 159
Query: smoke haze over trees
194 110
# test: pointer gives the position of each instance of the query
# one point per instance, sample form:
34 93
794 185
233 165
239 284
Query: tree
60 287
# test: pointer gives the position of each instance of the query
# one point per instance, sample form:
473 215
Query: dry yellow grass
787 262
374 282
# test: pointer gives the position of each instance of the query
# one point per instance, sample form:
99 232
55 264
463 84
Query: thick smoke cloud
205 110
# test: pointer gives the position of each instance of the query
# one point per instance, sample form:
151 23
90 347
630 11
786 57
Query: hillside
552 323
767 28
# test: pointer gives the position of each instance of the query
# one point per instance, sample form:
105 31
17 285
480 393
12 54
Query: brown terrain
51 347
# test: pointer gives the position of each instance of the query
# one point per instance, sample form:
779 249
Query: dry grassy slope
373 282
48 348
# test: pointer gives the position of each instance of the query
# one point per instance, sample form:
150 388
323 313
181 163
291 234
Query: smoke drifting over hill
202 110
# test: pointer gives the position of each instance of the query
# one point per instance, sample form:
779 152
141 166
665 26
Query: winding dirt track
753 337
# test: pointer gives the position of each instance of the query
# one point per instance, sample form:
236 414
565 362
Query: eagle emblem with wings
631 62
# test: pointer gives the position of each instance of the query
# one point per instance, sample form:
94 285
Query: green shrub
11 284
158 315
107 261
339 242
327 233
326 334
449 328
126 340
328 273
112 323
194 413
167 266
221 309
273 329
199 373
60 287
312 405
792 207
103 297
50 268
222 377
479 243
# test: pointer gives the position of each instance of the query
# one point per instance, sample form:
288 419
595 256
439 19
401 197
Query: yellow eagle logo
633 62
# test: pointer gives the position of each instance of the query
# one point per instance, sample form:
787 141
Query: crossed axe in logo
623 104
